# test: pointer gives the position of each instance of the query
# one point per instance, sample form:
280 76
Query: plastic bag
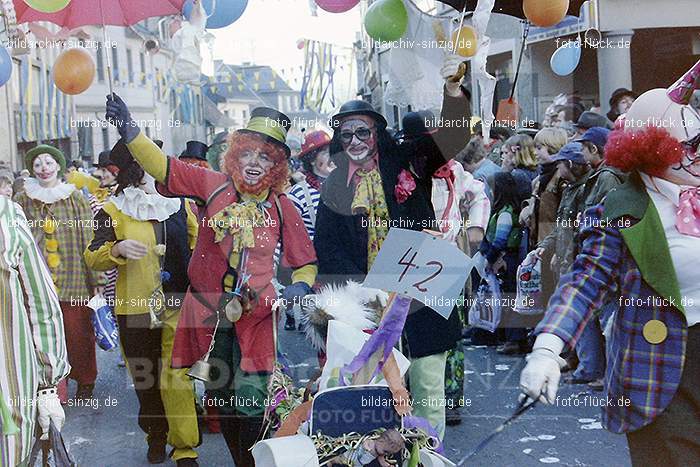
485 312
50 453
529 299
104 323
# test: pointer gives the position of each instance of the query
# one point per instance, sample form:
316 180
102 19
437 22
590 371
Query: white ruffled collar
34 190
143 206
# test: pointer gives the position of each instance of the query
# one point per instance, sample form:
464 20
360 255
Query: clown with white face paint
640 249
59 216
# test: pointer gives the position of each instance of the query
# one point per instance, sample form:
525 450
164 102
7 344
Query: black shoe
453 417
156 451
84 391
187 462
289 324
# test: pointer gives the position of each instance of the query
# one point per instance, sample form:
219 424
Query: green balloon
386 20
47 6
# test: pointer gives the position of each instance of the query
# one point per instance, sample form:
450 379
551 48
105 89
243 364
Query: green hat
270 123
44 149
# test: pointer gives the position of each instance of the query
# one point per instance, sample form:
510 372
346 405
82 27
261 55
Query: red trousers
80 340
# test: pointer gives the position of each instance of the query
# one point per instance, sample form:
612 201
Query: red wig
240 142
651 150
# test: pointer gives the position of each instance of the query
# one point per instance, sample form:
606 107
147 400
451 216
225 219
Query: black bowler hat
421 123
356 107
103 160
195 150
590 119
618 94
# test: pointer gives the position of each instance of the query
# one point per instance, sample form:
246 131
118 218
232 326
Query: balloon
47 6
386 20
73 71
545 13
225 13
301 43
467 43
337 6
566 58
5 66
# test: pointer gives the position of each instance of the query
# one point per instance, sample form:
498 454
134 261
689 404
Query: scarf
688 218
314 180
369 199
239 220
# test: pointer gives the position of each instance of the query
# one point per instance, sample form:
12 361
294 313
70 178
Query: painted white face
358 135
255 165
46 169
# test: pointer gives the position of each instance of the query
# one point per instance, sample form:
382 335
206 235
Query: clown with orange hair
640 250
226 317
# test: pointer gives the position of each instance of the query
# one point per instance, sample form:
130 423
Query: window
100 63
130 65
105 139
142 60
115 64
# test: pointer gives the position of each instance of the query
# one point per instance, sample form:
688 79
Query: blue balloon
5 66
566 58
221 13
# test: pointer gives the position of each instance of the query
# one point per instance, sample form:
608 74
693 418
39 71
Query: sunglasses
363 134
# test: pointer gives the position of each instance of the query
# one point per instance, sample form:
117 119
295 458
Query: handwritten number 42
410 264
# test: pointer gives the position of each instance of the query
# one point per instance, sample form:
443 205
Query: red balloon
73 71
337 6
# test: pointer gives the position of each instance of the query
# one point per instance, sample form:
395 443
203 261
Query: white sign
422 266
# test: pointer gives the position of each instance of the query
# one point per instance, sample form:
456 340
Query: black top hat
195 150
120 155
421 123
356 107
103 160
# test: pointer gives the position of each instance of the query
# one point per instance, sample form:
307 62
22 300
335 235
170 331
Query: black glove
118 115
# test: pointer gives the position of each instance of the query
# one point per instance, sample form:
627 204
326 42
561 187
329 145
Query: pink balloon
337 6
301 43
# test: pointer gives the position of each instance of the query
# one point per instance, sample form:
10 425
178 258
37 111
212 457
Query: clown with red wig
640 248
226 315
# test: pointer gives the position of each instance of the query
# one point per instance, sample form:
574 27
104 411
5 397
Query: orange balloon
467 43
545 13
73 71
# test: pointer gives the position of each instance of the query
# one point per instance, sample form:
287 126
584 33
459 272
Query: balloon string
526 31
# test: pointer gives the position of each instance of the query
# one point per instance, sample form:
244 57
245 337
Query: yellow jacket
137 279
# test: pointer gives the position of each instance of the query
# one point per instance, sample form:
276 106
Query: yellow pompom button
655 331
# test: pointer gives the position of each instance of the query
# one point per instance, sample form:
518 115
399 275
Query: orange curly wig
196 162
651 150
276 179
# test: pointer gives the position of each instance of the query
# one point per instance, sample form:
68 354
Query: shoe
597 385
156 451
577 380
289 324
84 391
453 417
187 462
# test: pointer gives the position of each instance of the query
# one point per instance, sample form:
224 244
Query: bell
233 310
152 46
201 370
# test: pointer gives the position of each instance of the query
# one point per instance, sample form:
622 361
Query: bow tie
688 218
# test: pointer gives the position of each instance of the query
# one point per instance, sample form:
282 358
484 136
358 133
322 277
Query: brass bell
201 370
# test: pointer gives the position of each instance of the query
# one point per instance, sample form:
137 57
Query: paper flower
159 249
404 186
53 260
51 245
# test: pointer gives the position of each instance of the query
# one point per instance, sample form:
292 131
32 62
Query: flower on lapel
404 186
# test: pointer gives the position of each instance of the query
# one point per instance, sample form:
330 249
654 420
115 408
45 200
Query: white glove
540 377
452 72
50 410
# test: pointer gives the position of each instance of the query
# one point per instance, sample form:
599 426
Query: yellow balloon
466 40
545 13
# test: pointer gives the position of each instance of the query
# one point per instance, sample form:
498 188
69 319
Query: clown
60 217
640 249
244 216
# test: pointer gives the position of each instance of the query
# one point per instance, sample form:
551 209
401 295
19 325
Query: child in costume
60 218
639 249
244 216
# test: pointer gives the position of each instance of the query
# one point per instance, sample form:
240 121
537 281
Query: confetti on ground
488 373
502 367
549 460
79 440
527 439
299 365
527 451
302 381
468 372
592 426
546 437
586 420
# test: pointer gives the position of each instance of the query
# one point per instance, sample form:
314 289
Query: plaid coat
624 258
